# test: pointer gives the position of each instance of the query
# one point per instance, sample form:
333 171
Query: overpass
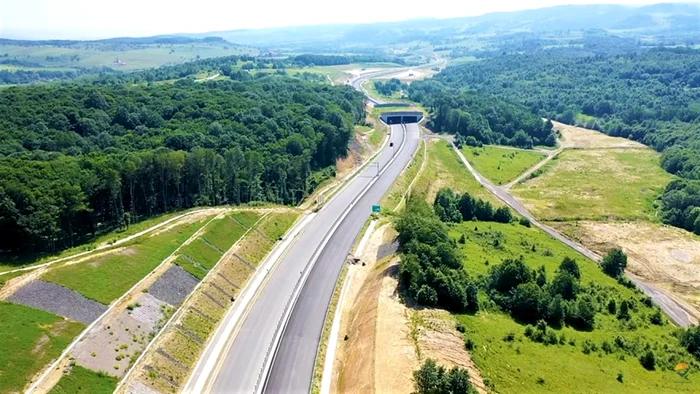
398 117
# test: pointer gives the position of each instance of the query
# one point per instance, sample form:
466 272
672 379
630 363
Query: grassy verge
598 359
83 380
6 278
392 198
30 339
255 246
8 262
501 165
444 169
596 184
105 278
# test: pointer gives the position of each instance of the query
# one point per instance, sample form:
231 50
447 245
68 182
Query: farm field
84 381
501 165
30 339
596 184
444 169
136 56
510 362
106 277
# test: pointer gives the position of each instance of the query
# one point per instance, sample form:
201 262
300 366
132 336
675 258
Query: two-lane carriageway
273 347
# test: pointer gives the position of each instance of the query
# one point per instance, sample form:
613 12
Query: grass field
444 169
501 165
84 381
392 198
596 184
107 277
369 87
29 340
517 366
8 262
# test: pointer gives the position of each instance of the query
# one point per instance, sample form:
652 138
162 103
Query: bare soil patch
578 137
660 254
387 340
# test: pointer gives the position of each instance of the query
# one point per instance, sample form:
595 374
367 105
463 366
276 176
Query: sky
95 19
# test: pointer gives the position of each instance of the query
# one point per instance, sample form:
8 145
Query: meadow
107 277
30 339
596 184
512 363
501 165
393 197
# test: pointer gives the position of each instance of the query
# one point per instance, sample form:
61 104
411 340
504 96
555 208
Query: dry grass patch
207 306
235 271
599 184
578 137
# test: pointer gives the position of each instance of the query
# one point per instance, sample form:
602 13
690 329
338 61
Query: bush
469 344
657 318
525 222
614 263
503 215
648 360
462 239
427 296
461 327
433 379
612 307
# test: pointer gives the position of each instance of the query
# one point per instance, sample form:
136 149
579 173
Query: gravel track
59 300
173 286
387 249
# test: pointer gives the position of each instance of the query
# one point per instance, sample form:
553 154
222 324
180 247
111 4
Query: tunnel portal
402 117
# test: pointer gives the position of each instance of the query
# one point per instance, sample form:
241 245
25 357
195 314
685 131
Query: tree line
79 160
651 97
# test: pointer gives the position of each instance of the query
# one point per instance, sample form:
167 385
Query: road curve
665 301
240 369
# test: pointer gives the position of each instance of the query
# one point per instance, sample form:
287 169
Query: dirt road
675 310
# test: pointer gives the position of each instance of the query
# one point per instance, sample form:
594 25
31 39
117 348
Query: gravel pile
387 249
173 286
59 300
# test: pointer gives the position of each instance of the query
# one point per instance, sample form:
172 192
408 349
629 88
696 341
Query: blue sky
92 19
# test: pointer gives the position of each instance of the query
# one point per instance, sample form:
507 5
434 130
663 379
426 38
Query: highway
309 268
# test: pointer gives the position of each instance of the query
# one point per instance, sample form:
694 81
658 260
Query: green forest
78 160
480 118
652 97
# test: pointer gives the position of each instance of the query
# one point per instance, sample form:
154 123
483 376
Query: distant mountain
622 19
163 39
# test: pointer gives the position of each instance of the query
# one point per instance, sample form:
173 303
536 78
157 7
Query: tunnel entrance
401 117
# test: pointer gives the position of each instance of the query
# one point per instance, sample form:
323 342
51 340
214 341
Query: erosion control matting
59 300
173 286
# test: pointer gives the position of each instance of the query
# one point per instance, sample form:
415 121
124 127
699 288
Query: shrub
607 347
510 337
612 307
427 296
460 327
657 318
569 265
469 344
525 222
620 377
648 360
614 263
503 215
462 239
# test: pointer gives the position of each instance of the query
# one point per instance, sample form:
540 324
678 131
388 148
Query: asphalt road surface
240 369
667 303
